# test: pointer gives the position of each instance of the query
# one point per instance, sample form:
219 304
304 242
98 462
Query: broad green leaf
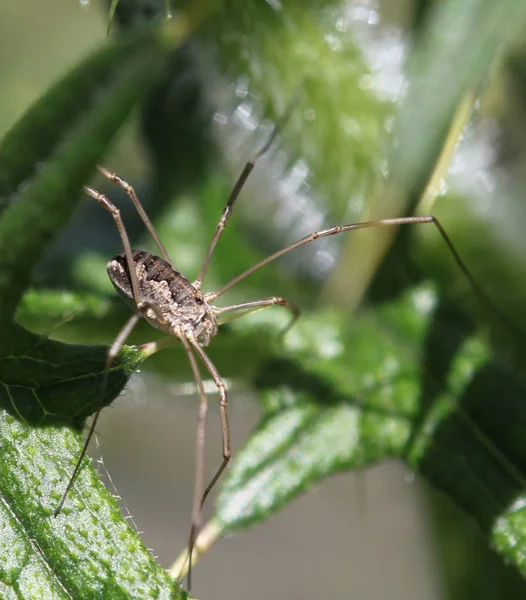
88 551
45 382
398 382
340 395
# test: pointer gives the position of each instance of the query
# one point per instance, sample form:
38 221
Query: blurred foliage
413 374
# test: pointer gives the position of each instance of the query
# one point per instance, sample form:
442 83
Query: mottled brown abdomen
151 271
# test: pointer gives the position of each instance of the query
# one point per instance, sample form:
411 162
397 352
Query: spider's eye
199 299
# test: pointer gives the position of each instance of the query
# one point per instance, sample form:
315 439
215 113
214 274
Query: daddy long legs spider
171 303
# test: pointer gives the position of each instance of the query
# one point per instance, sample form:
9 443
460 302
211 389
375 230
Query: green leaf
43 381
339 396
88 551
402 381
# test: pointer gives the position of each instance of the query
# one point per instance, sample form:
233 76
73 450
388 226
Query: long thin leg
368 225
255 305
123 334
138 207
223 405
116 214
238 186
112 353
199 456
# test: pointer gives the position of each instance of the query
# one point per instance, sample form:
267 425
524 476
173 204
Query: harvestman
171 303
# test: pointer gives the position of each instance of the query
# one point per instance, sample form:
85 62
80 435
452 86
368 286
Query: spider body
171 303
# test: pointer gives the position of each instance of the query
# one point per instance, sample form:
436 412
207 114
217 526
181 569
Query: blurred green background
376 533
